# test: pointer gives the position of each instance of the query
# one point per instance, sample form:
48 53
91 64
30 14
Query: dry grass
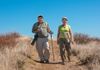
88 55
14 49
14 58
22 55
84 39
8 39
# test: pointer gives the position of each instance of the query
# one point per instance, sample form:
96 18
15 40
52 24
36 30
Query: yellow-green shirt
64 30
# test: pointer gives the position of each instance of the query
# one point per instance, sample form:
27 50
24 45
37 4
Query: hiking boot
62 63
46 61
41 61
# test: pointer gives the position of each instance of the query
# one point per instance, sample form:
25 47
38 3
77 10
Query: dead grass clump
14 58
8 39
87 55
84 38
81 38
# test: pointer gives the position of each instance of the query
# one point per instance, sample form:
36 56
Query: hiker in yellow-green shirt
64 39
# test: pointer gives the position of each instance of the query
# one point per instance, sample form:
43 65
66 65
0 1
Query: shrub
84 39
8 39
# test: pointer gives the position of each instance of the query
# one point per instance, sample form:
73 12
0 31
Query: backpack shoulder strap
35 26
46 24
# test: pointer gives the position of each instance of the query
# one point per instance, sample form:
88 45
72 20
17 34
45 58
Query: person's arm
58 36
34 28
71 35
49 30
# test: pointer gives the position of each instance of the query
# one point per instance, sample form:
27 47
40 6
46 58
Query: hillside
23 56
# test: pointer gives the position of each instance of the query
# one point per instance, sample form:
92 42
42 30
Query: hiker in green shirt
64 39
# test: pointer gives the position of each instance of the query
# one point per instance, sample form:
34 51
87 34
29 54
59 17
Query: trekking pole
52 48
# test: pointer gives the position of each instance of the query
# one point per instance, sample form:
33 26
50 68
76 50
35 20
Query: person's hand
38 30
51 32
72 42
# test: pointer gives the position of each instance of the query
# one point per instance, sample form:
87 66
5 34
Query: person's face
40 19
64 22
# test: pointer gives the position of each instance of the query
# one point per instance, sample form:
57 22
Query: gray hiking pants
64 46
42 47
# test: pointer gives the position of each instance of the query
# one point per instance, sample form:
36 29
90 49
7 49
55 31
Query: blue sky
20 15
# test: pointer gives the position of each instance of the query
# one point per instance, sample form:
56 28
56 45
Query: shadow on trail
37 61
48 63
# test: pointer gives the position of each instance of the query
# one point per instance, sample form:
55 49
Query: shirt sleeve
34 28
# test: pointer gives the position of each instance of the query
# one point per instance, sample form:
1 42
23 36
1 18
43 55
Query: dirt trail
31 64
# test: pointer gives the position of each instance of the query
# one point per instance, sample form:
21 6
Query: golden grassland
16 53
